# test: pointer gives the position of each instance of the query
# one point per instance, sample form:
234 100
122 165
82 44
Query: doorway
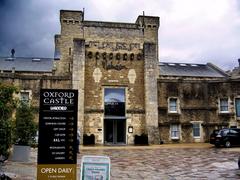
114 116
115 131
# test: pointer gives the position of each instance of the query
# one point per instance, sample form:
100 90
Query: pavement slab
170 162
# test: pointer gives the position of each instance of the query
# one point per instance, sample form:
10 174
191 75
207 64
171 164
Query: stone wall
33 82
106 70
78 78
113 58
199 102
97 55
150 84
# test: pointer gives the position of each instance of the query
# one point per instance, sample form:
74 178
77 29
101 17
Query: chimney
238 62
12 53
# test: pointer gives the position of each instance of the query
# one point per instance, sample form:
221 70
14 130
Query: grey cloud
29 27
25 28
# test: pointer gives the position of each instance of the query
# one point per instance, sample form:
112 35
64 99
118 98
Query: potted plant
24 132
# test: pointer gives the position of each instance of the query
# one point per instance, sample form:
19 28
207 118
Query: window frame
175 131
199 128
110 88
176 105
29 96
236 110
223 106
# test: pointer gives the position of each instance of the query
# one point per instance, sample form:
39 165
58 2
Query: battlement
148 21
76 17
71 17
108 40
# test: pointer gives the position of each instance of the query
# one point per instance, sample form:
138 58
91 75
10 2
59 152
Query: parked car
228 137
213 136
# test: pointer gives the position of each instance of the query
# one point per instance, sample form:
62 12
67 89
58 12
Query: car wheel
227 144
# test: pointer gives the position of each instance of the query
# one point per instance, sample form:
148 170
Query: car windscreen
224 132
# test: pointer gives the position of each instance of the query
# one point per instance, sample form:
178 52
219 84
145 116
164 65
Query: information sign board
57 143
95 167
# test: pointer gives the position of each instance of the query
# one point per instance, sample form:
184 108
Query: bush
5 136
7 105
25 127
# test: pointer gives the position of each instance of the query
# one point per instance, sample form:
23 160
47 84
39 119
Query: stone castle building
124 90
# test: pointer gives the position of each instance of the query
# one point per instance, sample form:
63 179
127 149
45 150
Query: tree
7 105
25 126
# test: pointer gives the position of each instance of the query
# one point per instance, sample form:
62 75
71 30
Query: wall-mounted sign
114 46
57 145
109 65
95 167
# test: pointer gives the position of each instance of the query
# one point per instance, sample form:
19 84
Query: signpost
95 167
57 145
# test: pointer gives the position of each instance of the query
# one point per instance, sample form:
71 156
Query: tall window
114 101
173 106
237 104
25 97
224 105
175 131
196 129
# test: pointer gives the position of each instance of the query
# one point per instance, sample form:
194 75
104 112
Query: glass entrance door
115 131
114 116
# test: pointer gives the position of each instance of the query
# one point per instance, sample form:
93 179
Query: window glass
196 130
224 132
237 103
173 105
175 131
224 104
114 101
24 97
233 131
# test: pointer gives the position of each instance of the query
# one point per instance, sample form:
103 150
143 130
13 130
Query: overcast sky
196 31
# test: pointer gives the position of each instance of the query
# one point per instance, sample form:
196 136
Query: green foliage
7 102
7 105
25 127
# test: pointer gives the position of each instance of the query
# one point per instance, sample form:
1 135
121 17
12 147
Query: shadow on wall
141 140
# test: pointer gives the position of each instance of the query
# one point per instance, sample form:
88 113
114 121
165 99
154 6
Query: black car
228 137
213 136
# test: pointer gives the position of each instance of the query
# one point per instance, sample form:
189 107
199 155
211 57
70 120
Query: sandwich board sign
57 145
95 168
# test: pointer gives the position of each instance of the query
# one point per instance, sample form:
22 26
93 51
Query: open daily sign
57 146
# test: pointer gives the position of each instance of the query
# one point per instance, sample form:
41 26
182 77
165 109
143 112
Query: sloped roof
26 64
191 70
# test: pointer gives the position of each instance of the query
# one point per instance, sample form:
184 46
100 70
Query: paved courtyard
170 162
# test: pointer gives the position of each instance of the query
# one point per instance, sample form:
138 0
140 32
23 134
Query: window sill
175 138
196 137
172 111
224 112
